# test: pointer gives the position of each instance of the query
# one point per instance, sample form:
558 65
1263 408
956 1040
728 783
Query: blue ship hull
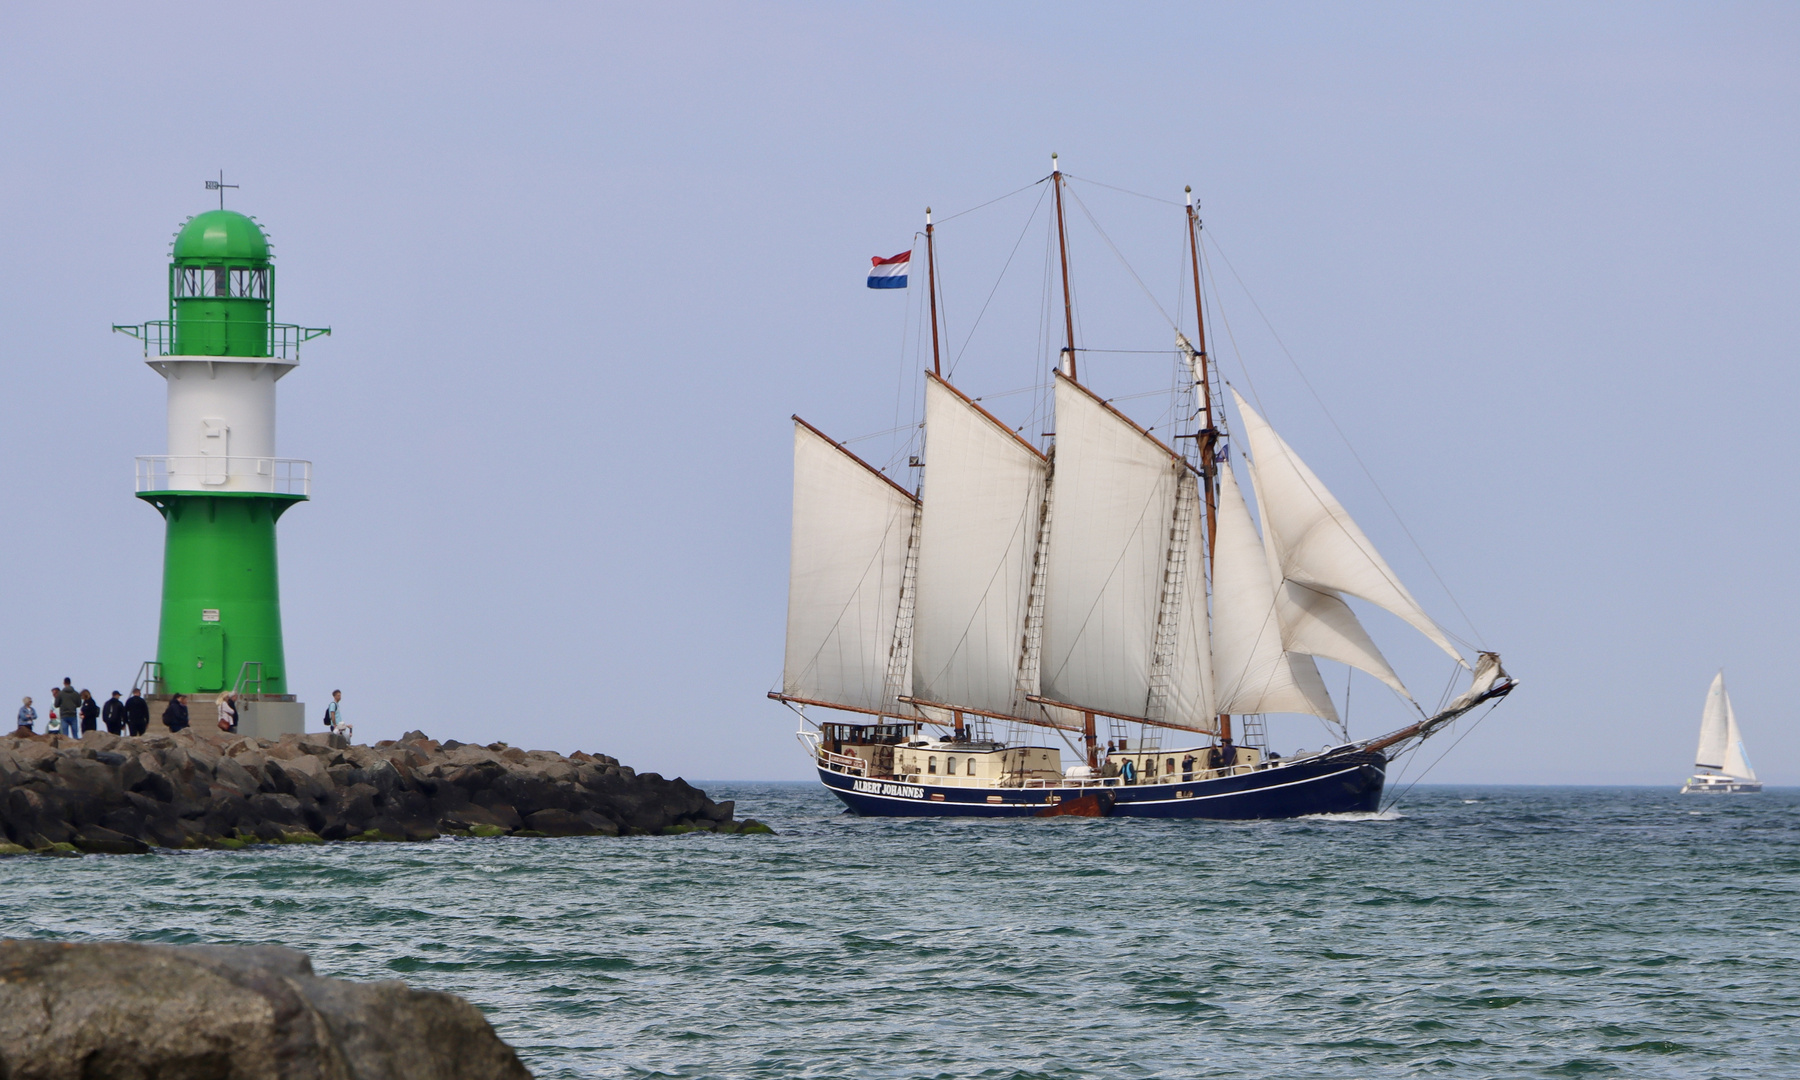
1339 784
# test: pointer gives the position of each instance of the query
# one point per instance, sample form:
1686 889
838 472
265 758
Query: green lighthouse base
221 608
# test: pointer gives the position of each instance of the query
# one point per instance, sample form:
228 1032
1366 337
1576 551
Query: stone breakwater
117 1011
200 789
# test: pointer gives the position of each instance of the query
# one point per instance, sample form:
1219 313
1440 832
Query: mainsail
1255 673
851 527
1118 556
978 535
1713 725
1317 545
1721 744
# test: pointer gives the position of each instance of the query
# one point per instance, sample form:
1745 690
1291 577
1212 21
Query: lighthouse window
239 284
931 766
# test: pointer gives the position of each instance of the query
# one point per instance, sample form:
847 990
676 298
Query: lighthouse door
209 657
215 450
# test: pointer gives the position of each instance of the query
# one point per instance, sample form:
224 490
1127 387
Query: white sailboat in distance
1721 749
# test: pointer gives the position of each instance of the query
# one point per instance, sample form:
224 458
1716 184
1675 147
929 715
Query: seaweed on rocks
122 795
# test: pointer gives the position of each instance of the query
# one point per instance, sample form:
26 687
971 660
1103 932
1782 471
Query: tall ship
1725 767
967 634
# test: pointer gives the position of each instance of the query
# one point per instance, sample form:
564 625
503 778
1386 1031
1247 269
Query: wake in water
1390 814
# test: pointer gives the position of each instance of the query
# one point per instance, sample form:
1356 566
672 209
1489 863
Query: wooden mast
1209 432
931 286
1062 247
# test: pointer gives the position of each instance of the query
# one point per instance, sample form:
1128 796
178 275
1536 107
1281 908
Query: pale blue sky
582 262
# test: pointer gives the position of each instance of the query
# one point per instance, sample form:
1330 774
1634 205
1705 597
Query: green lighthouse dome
221 236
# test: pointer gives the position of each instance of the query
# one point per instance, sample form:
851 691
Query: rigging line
990 296
1347 444
1122 261
1470 730
1124 191
991 202
878 434
1125 352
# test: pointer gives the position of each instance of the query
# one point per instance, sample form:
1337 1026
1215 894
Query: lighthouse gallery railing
201 472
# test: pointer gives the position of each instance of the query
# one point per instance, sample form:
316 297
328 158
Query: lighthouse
220 488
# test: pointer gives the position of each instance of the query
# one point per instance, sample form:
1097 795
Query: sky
1524 273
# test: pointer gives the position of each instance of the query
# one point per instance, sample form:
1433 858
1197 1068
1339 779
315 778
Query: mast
1062 247
1209 432
931 286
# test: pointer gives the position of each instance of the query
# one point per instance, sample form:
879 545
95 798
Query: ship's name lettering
904 791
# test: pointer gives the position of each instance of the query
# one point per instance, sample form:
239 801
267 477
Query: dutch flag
889 273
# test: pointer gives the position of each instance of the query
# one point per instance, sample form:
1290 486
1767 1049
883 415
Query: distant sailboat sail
1721 747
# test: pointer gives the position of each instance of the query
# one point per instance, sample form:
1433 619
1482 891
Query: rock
117 1011
201 788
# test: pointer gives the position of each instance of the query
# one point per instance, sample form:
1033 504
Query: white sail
1192 694
1314 538
1737 763
1713 726
1109 546
1316 621
1254 674
978 533
851 527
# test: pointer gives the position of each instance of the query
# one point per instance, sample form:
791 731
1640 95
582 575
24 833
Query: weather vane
219 186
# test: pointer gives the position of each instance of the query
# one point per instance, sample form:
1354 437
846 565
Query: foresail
851 528
978 534
1313 537
1116 493
1713 724
1737 763
1254 674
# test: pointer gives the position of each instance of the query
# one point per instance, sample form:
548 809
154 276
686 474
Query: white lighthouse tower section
222 426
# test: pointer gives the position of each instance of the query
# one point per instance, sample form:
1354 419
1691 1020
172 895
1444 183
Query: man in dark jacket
137 713
175 717
112 714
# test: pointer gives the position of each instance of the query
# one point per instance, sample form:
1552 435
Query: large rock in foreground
113 794
118 1011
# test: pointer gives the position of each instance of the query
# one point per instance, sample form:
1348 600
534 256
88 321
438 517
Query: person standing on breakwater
68 708
27 717
175 717
90 712
112 714
137 713
334 716
228 714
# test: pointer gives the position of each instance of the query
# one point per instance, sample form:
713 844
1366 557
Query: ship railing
1041 783
849 764
198 472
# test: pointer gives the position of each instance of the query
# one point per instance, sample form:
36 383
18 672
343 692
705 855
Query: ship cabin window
950 766
1169 765
969 767
931 765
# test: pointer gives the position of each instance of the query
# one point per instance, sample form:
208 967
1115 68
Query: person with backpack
90 712
334 716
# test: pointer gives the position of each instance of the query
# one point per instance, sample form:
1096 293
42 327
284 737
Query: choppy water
1482 932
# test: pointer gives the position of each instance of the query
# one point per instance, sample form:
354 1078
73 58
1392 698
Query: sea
1467 932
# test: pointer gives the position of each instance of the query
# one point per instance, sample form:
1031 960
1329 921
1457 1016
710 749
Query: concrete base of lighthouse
268 717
